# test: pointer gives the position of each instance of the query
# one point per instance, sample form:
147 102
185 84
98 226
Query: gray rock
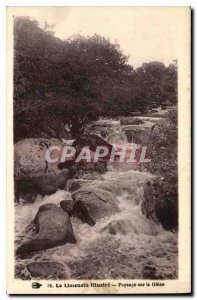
73 184
51 181
32 173
151 195
92 141
29 156
92 204
131 121
149 272
49 269
161 202
53 229
67 205
81 169
137 135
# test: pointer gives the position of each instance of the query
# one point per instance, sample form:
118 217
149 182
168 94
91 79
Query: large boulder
32 172
161 202
53 229
131 121
92 141
51 181
29 156
92 204
137 135
47 269
81 167
68 206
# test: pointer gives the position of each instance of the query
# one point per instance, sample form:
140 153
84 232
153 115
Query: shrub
162 147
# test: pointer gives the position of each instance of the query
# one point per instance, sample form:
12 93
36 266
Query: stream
139 249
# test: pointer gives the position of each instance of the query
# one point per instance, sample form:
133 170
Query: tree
73 82
62 82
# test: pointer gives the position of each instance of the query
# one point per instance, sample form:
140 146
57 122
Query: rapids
125 245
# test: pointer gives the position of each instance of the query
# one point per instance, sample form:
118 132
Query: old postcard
98 153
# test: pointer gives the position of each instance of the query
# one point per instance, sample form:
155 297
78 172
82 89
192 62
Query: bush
162 147
73 82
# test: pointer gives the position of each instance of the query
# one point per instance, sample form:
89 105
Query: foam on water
124 245
107 249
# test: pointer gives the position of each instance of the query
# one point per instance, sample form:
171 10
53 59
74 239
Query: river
139 248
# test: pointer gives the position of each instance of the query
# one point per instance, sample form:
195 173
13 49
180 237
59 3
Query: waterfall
118 137
118 246
124 245
110 130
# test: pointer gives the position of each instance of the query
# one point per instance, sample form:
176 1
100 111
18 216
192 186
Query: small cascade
117 137
110 130
121 246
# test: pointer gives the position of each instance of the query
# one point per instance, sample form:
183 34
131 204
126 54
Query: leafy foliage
74 81
162 146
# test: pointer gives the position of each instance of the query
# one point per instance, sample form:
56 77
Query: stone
92 204
33 174
137 136
151 198
130 121
73 185
149 272
29 156
68 206
47 269
51 181
92 141
161 202
53 229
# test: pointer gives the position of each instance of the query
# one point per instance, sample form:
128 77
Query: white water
99 253
114 133
120 246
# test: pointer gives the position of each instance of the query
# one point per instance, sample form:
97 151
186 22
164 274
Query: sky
145 34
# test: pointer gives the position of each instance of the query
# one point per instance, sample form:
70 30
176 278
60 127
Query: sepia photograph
97 118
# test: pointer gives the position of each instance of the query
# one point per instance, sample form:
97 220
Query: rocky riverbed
112 237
